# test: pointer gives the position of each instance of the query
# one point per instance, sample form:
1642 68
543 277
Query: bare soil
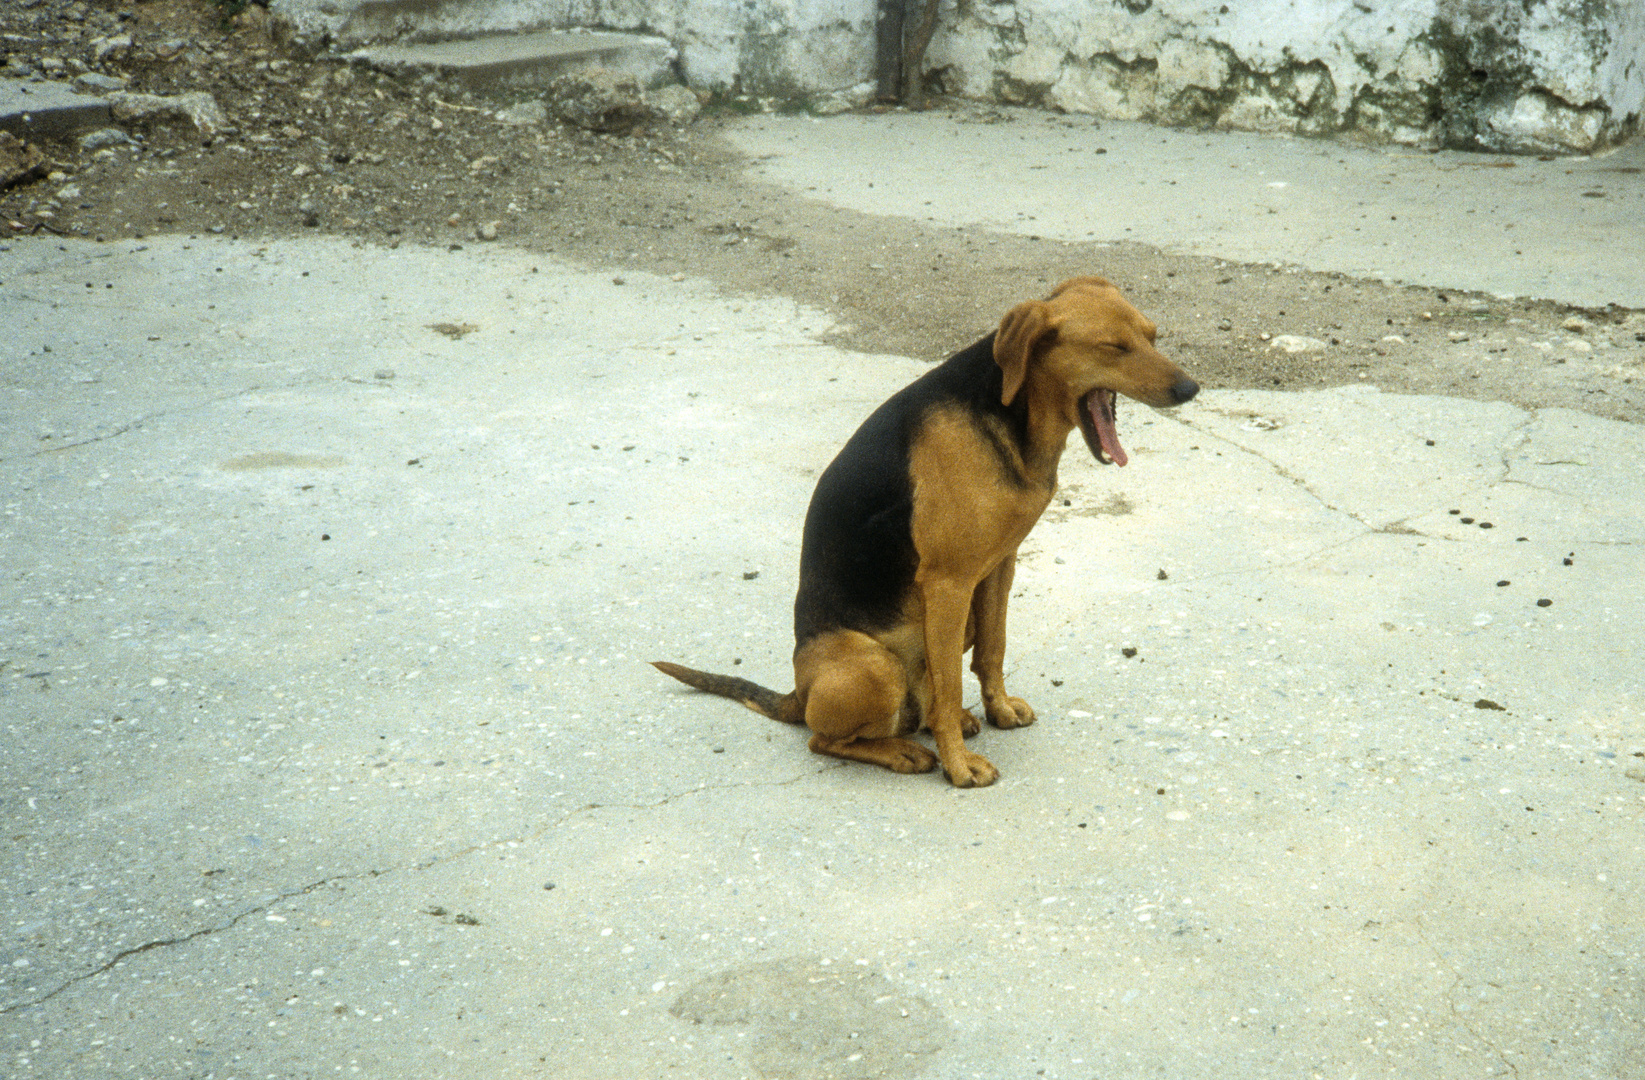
313 147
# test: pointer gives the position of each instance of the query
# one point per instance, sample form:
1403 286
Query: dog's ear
1021 332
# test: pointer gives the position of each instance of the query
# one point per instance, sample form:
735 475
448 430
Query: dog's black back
857 557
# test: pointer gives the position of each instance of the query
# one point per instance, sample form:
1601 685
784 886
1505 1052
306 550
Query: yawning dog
910 543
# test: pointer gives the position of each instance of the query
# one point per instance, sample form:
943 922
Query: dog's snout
1184 389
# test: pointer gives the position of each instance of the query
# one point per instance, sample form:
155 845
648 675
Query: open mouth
1097 425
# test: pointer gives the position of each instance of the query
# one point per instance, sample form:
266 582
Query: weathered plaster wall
1537 76
1520 75
772 46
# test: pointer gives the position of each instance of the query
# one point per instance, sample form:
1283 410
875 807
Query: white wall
1538 76
1525 75
789 47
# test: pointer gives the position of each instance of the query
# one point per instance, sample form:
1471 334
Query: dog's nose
1184 389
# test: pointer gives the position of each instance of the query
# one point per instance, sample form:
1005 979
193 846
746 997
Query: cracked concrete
330 743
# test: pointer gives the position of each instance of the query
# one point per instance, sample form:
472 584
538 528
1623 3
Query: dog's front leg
946 605
988 650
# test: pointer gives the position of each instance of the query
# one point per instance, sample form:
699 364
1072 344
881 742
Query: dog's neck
1049 423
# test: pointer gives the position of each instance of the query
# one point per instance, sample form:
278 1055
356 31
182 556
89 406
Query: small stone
19 161
487 231
1576 325
1293 343
523 114
1544 602
596 99
91 82
678 105
113 47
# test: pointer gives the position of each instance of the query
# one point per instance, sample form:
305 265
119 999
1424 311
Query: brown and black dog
911 539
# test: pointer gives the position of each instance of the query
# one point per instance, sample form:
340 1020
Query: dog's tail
784 707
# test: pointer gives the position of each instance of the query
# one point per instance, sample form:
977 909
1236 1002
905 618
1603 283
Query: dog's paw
970 725
909 757
971 770
1010 712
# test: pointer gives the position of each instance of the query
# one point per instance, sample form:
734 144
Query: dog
910 542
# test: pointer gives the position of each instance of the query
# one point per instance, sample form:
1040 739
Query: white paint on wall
1520 75
1565 75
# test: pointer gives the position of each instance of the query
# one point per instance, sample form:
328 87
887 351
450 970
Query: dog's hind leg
857 703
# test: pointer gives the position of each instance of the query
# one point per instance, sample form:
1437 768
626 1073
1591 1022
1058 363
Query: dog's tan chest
971 509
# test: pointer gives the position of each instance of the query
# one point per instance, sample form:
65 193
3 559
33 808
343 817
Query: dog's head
1077 349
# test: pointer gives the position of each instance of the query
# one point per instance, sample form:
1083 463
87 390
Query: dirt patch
310 146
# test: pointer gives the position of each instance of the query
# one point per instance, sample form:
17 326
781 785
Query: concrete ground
1557 228
330 749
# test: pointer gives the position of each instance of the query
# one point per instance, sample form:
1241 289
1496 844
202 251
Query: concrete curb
527 61
41 109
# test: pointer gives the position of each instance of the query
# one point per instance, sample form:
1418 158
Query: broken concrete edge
62 113
196 106
497 63
32 110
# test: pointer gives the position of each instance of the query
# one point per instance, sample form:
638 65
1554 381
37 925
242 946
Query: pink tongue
1102 417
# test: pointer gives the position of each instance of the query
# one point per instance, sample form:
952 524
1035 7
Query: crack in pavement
1278 469
136 424
1450 999
183 939
426 864
1517 438
667 799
